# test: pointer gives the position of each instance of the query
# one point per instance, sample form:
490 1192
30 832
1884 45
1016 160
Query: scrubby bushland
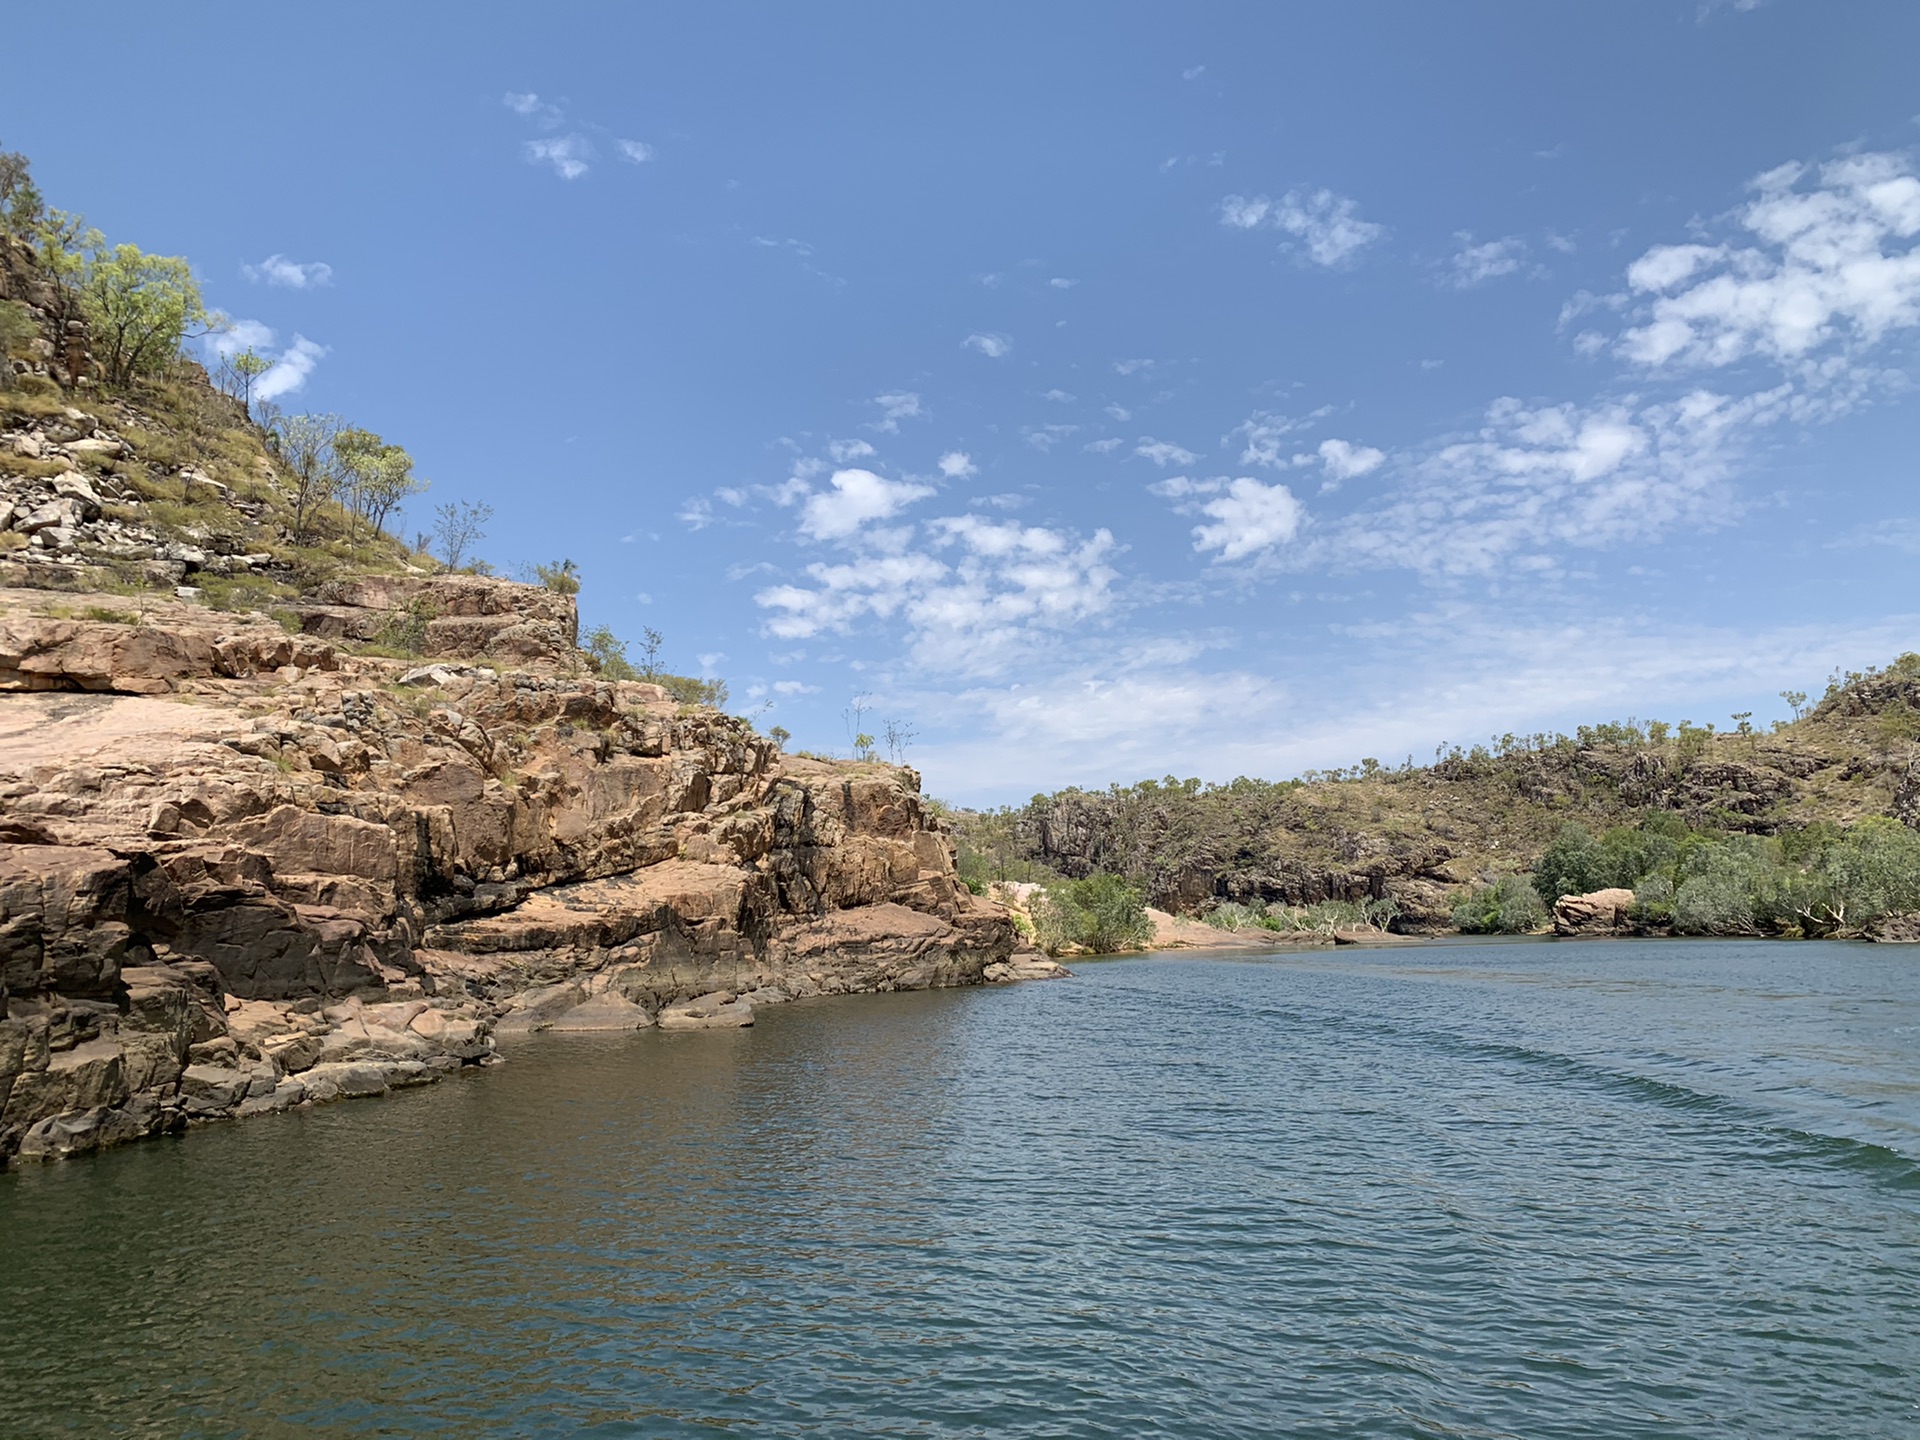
608 653
1821 879
1323 918
1431 836
1509 906
1102 914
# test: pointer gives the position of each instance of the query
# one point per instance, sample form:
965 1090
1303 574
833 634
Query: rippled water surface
1518 1190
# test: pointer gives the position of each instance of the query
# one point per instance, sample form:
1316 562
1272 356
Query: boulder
611 1011
1603 912
721 1010
350 1080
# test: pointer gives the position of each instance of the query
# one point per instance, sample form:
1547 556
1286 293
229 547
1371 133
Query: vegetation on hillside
215 462
1100 915
1805 828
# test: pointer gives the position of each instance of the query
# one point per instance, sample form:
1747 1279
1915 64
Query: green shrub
1101 913
1509 906
1873 872
692 690
562 577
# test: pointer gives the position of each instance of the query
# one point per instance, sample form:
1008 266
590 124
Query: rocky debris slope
242 869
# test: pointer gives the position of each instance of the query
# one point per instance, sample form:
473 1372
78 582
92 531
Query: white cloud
1120 413
291 274
1263 433
290 370
845 450
1060 282
898 406
1346 461
1475 264
1131 367
1163 452
994 347
570 155
531 106
240 335
1104 446
1059 397
957 465
697 512
977 596
1193 72
794 687
1328 225
1178 487
636 152
1044 437
1251 517
857 497
1834 265
1538 477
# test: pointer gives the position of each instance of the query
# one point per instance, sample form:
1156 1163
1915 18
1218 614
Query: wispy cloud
993 346
570 156
289 274
532 107
957 465
1473 264
1163 452
977 596
1044 437
894 407
1326 225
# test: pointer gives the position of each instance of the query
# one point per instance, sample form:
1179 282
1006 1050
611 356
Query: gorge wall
241 869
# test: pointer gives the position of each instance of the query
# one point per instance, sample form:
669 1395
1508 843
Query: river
1660 1189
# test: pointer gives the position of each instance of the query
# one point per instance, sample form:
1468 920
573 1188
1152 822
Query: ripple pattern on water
1501 1190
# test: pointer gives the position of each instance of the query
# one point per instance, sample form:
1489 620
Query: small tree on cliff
377 476
306 445
240 373
458 526
139 308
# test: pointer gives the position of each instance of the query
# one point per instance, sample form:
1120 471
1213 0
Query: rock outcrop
1603 912
243 869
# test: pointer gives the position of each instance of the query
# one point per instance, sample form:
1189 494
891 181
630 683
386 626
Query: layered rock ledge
243 869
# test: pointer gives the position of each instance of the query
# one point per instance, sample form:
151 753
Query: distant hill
1425 836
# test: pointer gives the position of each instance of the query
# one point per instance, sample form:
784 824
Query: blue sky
1105 390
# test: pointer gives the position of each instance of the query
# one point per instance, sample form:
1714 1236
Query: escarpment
241 868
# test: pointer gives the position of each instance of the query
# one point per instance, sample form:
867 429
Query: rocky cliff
285 816
241 868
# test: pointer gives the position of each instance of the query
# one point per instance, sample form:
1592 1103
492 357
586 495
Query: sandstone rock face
1604 912
242 870
462 616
